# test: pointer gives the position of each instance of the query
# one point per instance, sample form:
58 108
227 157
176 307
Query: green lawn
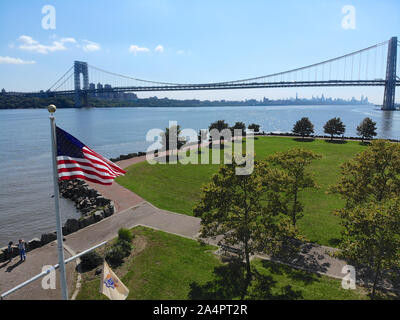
167 266
177 187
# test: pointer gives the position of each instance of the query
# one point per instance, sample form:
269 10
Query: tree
303 127
334 126
239 126
246 210
294 162
202 135
367 129
373 175
371 239
173 133
171 140
254 127
219 125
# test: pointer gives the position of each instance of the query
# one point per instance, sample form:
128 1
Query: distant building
99 88
108 91
92 87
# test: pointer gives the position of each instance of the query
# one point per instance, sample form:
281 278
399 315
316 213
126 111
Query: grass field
166 266
177 187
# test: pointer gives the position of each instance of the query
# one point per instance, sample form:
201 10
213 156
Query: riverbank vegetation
21 102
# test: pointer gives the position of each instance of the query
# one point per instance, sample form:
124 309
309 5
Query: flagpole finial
51 108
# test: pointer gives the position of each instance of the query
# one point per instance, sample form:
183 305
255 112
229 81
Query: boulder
3 254
34 243
72 225
108 210
101 201
86 221
98 216
112 207
64 231
48 237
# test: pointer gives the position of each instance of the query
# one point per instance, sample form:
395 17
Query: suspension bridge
371 66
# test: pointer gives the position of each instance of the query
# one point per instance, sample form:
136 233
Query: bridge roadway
220 86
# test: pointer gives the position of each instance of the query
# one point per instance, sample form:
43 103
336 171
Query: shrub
125 245
125 234
91 260
115 256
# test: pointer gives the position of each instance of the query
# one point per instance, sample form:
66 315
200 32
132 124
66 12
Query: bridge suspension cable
365 62
63 83
346 62
59 80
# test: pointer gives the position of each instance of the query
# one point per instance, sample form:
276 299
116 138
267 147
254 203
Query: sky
188 41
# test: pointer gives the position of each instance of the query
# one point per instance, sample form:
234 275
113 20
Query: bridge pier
390 85
81 68
81 98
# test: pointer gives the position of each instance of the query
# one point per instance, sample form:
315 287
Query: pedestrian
21 247
9 251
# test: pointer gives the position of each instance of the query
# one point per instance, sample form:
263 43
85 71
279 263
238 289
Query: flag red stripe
84 164
85 171
95 161
110 163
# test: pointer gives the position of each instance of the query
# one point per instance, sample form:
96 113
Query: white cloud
90 46
10 60
159 48
65 40
180 52
135 49
27 43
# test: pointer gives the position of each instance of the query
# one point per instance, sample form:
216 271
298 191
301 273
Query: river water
26 206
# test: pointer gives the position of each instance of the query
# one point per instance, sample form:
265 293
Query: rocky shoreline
92 205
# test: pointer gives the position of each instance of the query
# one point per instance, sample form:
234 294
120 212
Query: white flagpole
63 280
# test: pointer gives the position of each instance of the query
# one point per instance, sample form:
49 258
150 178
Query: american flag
76 160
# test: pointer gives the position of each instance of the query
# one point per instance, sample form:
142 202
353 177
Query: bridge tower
81 68
390 86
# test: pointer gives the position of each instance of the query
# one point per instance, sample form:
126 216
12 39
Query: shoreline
212 106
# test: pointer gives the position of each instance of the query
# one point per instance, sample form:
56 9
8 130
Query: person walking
9 250
21 247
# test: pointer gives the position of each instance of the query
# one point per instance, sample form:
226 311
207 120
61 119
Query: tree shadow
365 143
167 159
293 273
216 146
306 257
228 283
262 289
304 140
336 141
